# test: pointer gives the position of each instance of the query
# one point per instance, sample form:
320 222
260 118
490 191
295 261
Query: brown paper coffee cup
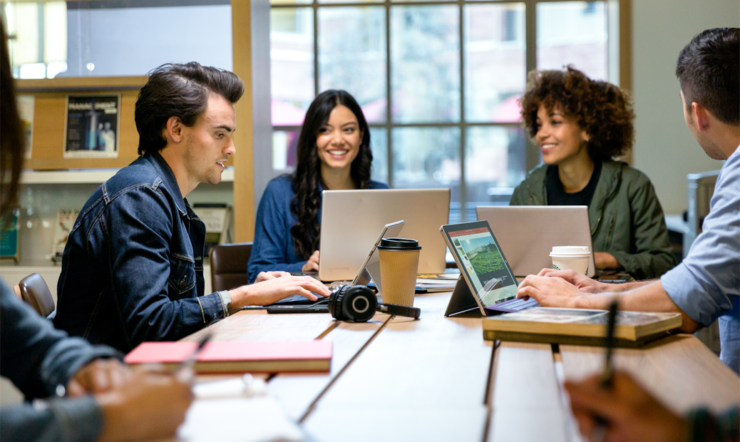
398 268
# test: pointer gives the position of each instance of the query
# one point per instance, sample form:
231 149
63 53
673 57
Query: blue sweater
273 245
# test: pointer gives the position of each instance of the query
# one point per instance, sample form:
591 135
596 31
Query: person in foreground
105 400
132 269
581 125
333 154
633 415
706 285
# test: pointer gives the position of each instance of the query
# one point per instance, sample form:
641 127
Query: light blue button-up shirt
706 285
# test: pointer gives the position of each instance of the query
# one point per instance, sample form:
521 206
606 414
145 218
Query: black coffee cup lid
399 244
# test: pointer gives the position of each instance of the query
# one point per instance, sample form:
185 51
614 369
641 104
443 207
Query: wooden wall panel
48 133
244 210
47 152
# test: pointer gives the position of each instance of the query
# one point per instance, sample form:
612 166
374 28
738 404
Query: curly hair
602 109
307 176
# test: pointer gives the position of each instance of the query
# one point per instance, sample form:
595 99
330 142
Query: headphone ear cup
359 304
335 303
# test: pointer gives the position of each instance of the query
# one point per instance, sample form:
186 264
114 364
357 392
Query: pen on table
607 374
189 362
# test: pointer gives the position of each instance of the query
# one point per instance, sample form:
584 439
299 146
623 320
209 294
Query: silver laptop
527 234
351 220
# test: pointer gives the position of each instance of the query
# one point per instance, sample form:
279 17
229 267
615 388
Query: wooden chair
36 293
229 265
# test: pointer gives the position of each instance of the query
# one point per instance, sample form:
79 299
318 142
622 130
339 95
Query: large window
110 38
438 81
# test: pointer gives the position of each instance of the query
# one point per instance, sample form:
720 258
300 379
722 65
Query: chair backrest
229 265
36 293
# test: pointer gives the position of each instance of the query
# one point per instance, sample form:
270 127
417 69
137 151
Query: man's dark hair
179 90
708 69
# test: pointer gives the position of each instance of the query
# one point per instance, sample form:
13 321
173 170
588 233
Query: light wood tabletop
437 379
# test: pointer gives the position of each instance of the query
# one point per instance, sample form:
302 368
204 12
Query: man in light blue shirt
706 285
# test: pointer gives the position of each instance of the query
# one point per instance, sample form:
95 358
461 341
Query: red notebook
238 357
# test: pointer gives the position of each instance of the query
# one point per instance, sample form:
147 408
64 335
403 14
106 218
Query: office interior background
438 82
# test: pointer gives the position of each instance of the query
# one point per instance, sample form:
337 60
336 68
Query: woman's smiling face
560 137
338 141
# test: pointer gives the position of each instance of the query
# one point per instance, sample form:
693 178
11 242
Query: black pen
189 362
608 373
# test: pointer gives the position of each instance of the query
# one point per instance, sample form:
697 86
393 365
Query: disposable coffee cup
571 258
399 263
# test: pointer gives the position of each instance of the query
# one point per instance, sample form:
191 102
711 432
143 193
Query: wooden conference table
436 378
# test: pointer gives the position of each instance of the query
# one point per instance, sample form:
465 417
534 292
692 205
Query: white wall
665 149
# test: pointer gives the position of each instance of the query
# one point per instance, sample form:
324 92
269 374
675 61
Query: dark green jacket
625 215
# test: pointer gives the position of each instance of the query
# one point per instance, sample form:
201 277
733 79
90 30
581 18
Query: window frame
618 68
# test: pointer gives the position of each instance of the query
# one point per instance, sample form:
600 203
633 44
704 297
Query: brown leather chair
36 293
229 265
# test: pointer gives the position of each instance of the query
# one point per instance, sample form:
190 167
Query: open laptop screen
481 261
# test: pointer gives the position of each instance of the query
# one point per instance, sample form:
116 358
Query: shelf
74 84
91 176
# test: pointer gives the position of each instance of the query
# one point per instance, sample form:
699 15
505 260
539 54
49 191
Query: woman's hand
603 260
312 265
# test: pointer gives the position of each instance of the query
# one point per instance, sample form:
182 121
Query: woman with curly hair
333 154
581 125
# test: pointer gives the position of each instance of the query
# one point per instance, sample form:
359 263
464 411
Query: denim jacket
132 269
37 359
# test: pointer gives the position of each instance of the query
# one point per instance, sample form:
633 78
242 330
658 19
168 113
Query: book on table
579 326
238 357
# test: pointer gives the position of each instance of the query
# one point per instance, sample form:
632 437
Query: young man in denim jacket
133 265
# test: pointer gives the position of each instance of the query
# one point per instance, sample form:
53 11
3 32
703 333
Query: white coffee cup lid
570 251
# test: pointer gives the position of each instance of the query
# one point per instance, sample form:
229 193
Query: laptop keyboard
521 304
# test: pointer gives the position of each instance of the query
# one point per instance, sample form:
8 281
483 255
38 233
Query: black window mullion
463 184
388 94
532 155
315 48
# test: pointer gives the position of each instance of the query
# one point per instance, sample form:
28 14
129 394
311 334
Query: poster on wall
25 109
91 129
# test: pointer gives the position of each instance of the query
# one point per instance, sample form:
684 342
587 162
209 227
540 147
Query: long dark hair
307 177
11 134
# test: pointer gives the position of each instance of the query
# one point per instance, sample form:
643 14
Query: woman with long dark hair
333 154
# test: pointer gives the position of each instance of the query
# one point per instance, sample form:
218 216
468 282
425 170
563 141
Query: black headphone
358 303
